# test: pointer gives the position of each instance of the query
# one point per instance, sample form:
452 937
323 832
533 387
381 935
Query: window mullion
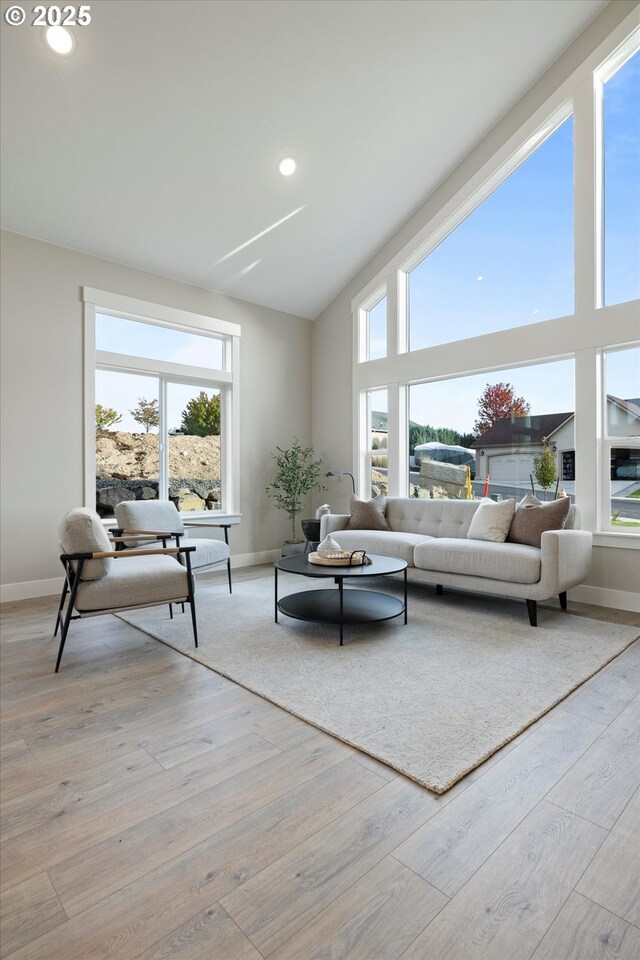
163 445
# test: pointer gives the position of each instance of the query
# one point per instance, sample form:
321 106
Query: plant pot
291 549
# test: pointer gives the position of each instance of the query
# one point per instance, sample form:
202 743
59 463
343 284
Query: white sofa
431 535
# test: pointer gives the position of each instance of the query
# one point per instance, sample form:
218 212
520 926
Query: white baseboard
51 588
603 597
30 589
254 559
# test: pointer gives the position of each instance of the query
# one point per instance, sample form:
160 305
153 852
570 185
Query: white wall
42 397
333 336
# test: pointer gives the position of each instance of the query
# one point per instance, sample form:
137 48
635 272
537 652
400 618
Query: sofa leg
563 600
532 609
439 589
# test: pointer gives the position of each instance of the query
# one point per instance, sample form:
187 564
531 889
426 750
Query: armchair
160 520
100 579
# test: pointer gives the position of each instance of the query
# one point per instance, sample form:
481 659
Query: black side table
311 530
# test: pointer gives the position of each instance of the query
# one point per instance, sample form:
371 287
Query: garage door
509 467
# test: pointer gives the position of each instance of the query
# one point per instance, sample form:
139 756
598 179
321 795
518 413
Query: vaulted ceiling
155 143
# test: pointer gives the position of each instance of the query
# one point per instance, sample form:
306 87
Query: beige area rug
432 699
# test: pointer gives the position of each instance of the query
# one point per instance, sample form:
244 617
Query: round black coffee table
341 606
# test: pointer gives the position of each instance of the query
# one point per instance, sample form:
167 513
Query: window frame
579 336
225 380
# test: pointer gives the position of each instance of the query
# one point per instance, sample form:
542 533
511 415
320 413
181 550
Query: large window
493 303
621 109
510 263
376 456
497 425
161 412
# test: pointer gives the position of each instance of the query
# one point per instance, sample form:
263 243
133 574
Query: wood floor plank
273 906
210 934
613 879
583 930
379 916
28 911
600 784
26 854
184 745
508 905
134 918
451 846
54 801
14 748
607 694
85 878
286 731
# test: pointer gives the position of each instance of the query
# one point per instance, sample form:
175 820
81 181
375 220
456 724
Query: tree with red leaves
498 402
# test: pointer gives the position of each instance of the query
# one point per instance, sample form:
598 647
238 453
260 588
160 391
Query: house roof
518 430
161 133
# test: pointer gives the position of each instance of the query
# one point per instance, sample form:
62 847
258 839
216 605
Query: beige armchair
100 579
159 519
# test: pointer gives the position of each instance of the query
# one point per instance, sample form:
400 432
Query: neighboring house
505 452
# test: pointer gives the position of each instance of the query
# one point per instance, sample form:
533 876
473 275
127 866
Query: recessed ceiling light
60 40
287 166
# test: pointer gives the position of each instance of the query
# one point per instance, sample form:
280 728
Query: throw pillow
492 520
368 514
533 517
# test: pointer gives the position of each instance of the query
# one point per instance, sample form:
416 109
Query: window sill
628 541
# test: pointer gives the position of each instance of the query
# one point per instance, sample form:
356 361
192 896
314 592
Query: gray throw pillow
492 520
368 514
533 517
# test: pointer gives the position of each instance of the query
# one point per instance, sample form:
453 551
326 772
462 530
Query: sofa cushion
512 562
431 518
387 543
81 531
492 520
368 514
533 517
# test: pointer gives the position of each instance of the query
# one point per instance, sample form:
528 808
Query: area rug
432 699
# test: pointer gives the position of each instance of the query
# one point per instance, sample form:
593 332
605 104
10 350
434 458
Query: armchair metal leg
229 573
439 590
67 617
532 608
563 600
65 589
191 598
171 611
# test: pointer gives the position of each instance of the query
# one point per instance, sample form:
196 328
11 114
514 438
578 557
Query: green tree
544 466
297 473
201 416
146 413
106 417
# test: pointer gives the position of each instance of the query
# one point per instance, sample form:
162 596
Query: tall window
376 458
621 116
496 424
162 403
621 439
510 263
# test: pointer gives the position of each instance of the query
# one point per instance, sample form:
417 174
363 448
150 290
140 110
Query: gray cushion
492 521
81 531
206 552
135 581
388 543
368 514
148 515
533 517
512 562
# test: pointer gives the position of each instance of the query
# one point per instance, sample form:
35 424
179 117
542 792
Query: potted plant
297 473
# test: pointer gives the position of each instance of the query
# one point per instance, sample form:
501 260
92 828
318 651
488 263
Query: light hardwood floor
151 809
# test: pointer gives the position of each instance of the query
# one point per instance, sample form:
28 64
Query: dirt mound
134 456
